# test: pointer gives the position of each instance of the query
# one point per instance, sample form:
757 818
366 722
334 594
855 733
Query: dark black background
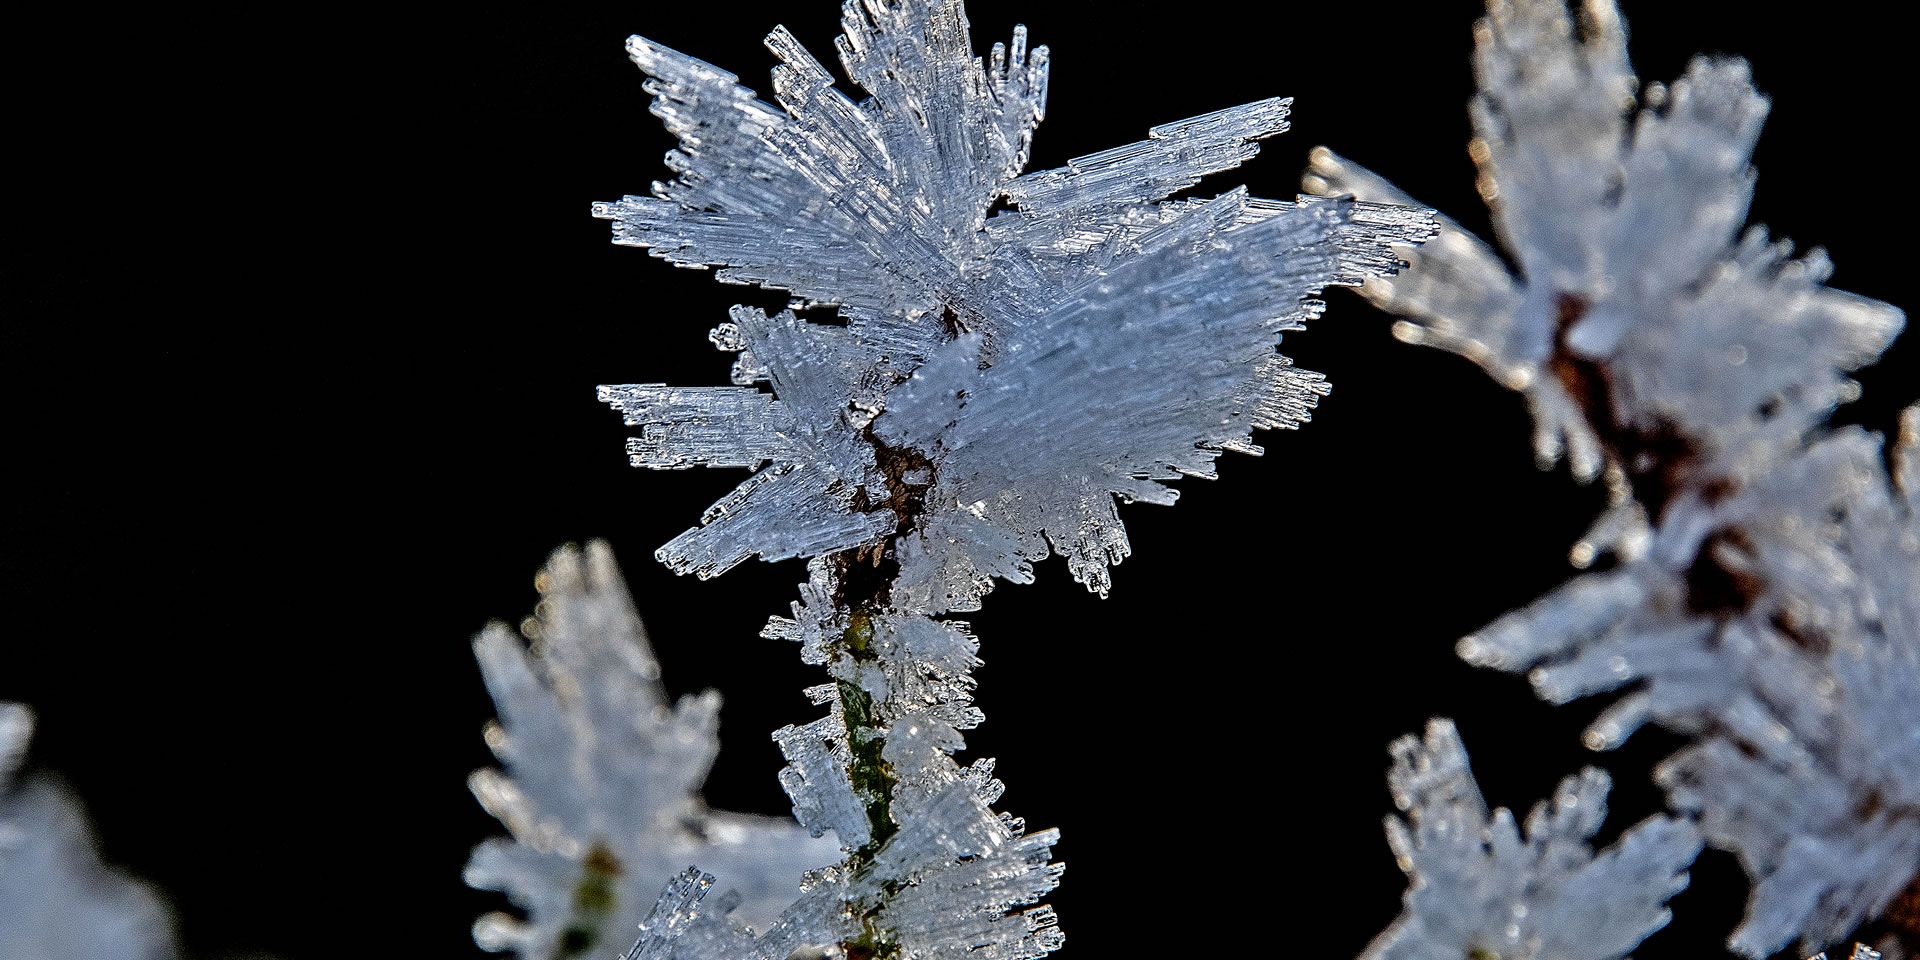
303 319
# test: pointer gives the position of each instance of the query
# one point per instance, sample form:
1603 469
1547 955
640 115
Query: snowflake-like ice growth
57 901
1646 338
1479 888
603 798
1001 375
932 871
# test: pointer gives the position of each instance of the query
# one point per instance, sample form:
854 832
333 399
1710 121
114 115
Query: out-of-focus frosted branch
57 900
1765 592
603 793
1482 888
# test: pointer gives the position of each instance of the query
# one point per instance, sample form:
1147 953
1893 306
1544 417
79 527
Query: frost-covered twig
1766 592
57 901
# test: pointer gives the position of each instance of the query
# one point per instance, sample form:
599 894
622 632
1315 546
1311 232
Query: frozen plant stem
1004 379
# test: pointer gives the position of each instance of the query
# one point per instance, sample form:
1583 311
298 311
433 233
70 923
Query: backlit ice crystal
603 799
1002 376
1481 888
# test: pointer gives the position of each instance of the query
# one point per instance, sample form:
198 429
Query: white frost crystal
603 800
1002 376
1766 597
57 901
1480 888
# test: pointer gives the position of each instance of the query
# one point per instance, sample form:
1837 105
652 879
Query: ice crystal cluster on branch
1000 378
931 870
57 901
603 801
1482 889
1648 340
1765 592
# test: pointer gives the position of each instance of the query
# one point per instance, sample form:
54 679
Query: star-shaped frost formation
1002 375
603 801
57 901
1480 888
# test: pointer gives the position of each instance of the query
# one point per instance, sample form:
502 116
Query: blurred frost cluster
57 900
1762 585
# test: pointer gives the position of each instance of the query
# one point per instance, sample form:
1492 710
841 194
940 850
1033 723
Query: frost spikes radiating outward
986 402
1480 888
1002 377
603 798
57 901
1767 595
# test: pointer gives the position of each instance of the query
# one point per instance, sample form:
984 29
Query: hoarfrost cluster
1764 589
57 900
1481 888
1001 376
1013 355
603 798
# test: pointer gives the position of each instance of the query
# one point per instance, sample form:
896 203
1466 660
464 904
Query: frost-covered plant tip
1482 889
1001 377
603 802
1765 592
57 901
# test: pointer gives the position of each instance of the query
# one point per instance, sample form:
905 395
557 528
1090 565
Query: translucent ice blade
1172 158
700 426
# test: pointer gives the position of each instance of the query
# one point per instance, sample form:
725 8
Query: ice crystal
1480 888
57 901
603 799
1766 598
1860 952
1001 376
